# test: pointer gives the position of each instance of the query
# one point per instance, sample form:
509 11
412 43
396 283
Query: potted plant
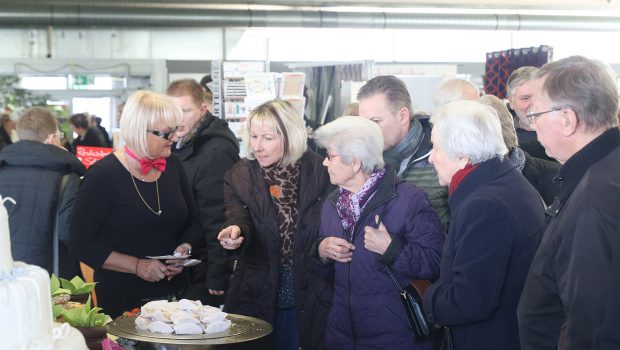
78 290
90 321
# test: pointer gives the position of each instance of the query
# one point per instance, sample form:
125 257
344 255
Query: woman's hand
230 237
337 249
151 270
377 239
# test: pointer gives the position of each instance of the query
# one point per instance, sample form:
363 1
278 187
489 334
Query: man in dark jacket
43 179
208 149
87 135
574 114
386 101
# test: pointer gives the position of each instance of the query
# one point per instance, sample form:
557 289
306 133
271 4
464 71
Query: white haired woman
373 221
273 200
495 227
134 203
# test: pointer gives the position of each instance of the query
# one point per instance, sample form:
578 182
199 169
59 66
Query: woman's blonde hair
141 112
287 124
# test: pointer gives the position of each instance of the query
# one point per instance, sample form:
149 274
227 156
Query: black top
92 138
110 216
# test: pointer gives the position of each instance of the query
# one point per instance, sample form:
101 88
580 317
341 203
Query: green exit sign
84 80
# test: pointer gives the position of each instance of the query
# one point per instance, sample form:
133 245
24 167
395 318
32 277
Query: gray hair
468 129
505 118
519 77
354 138
586 86
141 112
394 90
453 90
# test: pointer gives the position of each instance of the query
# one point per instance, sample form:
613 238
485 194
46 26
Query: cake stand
243 329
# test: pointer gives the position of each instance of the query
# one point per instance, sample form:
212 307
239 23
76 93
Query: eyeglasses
164 134
530 116
330 157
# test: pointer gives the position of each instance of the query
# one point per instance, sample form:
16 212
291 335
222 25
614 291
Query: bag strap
56 242
393 277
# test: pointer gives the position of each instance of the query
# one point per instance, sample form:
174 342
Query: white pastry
160 327
187 328
185 304
219 326
143 323
214 317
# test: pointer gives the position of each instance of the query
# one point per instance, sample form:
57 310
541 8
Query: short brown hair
394 90
187 87
36 124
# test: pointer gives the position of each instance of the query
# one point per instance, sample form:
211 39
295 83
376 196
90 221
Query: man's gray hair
354 138
586 86
468 129
454 90
519 77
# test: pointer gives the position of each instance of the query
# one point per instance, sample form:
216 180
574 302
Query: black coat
92 138
30 173
253 288
210 154
540 173
564 298
495 226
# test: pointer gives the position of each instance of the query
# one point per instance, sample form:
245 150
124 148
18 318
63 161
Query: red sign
89 155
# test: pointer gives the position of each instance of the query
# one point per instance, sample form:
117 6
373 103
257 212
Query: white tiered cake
26 320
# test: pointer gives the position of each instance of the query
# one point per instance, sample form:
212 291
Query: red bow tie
146 164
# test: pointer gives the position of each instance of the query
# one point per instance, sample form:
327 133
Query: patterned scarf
517 158
350 205
284 190
406 147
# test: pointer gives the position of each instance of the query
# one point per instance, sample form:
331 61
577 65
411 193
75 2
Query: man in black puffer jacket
32 171
208 149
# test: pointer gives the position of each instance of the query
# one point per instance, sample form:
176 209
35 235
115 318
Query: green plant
84 316
77 286
12 96
55 286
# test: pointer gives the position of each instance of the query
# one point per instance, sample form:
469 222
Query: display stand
244 329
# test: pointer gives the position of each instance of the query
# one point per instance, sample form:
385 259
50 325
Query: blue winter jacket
495 228
366 311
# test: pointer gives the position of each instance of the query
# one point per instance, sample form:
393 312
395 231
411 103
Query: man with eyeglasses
574 113
208 149
43 179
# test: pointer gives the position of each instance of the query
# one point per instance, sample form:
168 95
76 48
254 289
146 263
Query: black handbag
412 301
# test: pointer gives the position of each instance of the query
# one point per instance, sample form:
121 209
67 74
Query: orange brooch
275 191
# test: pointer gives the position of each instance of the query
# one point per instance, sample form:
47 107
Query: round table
243 329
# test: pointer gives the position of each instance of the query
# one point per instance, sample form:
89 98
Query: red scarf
146 164
458 177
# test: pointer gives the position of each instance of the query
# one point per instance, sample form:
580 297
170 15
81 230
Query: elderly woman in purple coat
372 221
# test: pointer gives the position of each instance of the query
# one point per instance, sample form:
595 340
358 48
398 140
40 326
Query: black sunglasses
164 134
